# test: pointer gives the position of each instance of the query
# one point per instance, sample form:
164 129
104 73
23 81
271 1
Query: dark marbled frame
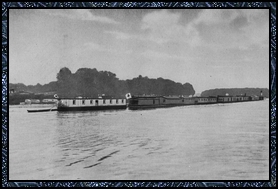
268 5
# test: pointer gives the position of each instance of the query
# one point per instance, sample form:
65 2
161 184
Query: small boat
41 110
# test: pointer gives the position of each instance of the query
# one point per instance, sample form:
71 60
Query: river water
206 142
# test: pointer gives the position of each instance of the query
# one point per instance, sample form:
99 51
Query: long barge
82 104
146 101
142 102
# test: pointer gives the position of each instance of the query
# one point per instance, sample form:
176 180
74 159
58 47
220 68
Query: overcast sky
209 48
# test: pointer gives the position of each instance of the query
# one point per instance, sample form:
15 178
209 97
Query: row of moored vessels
144 101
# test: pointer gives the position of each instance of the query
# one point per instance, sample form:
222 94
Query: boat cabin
92 102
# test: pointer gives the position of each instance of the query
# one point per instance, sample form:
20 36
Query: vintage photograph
138 94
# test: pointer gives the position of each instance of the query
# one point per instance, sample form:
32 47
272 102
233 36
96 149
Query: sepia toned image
139 94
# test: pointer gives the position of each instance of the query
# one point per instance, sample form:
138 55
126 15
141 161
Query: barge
145 101
142 102
82 104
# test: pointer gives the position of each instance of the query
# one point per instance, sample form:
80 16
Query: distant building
49 100
50 93
32 101
24 93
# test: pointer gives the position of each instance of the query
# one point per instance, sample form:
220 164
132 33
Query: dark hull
91 108
135 107
236 101
228 102
42 110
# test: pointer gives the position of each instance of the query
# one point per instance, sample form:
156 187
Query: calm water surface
208 142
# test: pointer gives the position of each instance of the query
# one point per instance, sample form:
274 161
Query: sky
208 48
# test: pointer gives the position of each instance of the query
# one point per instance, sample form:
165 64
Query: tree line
87 82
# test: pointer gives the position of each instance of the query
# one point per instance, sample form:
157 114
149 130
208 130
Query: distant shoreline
30 105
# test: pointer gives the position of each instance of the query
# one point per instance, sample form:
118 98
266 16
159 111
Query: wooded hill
88 82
